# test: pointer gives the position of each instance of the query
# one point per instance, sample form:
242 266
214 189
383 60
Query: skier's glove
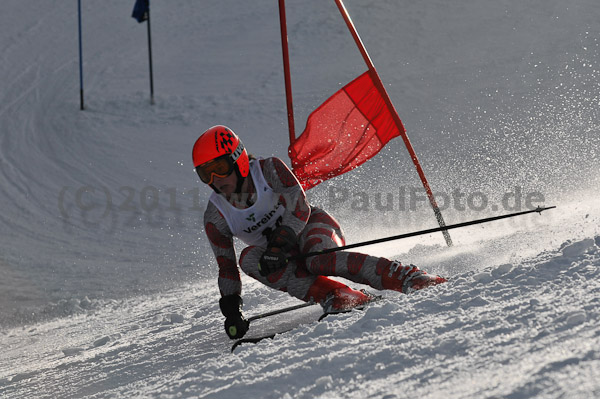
283 237
272 259
236 327
235 323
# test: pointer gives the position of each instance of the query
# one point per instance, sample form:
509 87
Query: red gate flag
348 129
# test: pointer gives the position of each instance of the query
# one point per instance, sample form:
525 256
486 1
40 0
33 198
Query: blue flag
141 10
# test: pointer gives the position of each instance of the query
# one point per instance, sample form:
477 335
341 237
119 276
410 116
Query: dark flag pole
141 13
81 106
150 61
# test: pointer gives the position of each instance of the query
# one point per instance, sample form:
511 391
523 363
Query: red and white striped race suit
316 230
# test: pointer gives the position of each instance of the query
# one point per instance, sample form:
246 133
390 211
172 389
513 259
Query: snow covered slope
107 285
515 330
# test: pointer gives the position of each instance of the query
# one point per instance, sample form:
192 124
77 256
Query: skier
261 202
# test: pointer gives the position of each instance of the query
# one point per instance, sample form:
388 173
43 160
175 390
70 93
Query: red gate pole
379 84
286 71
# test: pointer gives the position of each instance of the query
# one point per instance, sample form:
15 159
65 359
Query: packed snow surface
108 286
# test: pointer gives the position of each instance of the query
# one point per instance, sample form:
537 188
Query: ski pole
283 310
417 233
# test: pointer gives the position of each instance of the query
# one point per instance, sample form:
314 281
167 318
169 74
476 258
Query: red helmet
219 151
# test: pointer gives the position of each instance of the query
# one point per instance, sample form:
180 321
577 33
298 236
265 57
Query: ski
255 340
279 311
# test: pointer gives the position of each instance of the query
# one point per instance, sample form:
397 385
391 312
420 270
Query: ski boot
407 279
336 297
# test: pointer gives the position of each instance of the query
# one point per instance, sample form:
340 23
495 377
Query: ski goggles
219 167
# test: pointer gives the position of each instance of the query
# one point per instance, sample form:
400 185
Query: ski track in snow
111 298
